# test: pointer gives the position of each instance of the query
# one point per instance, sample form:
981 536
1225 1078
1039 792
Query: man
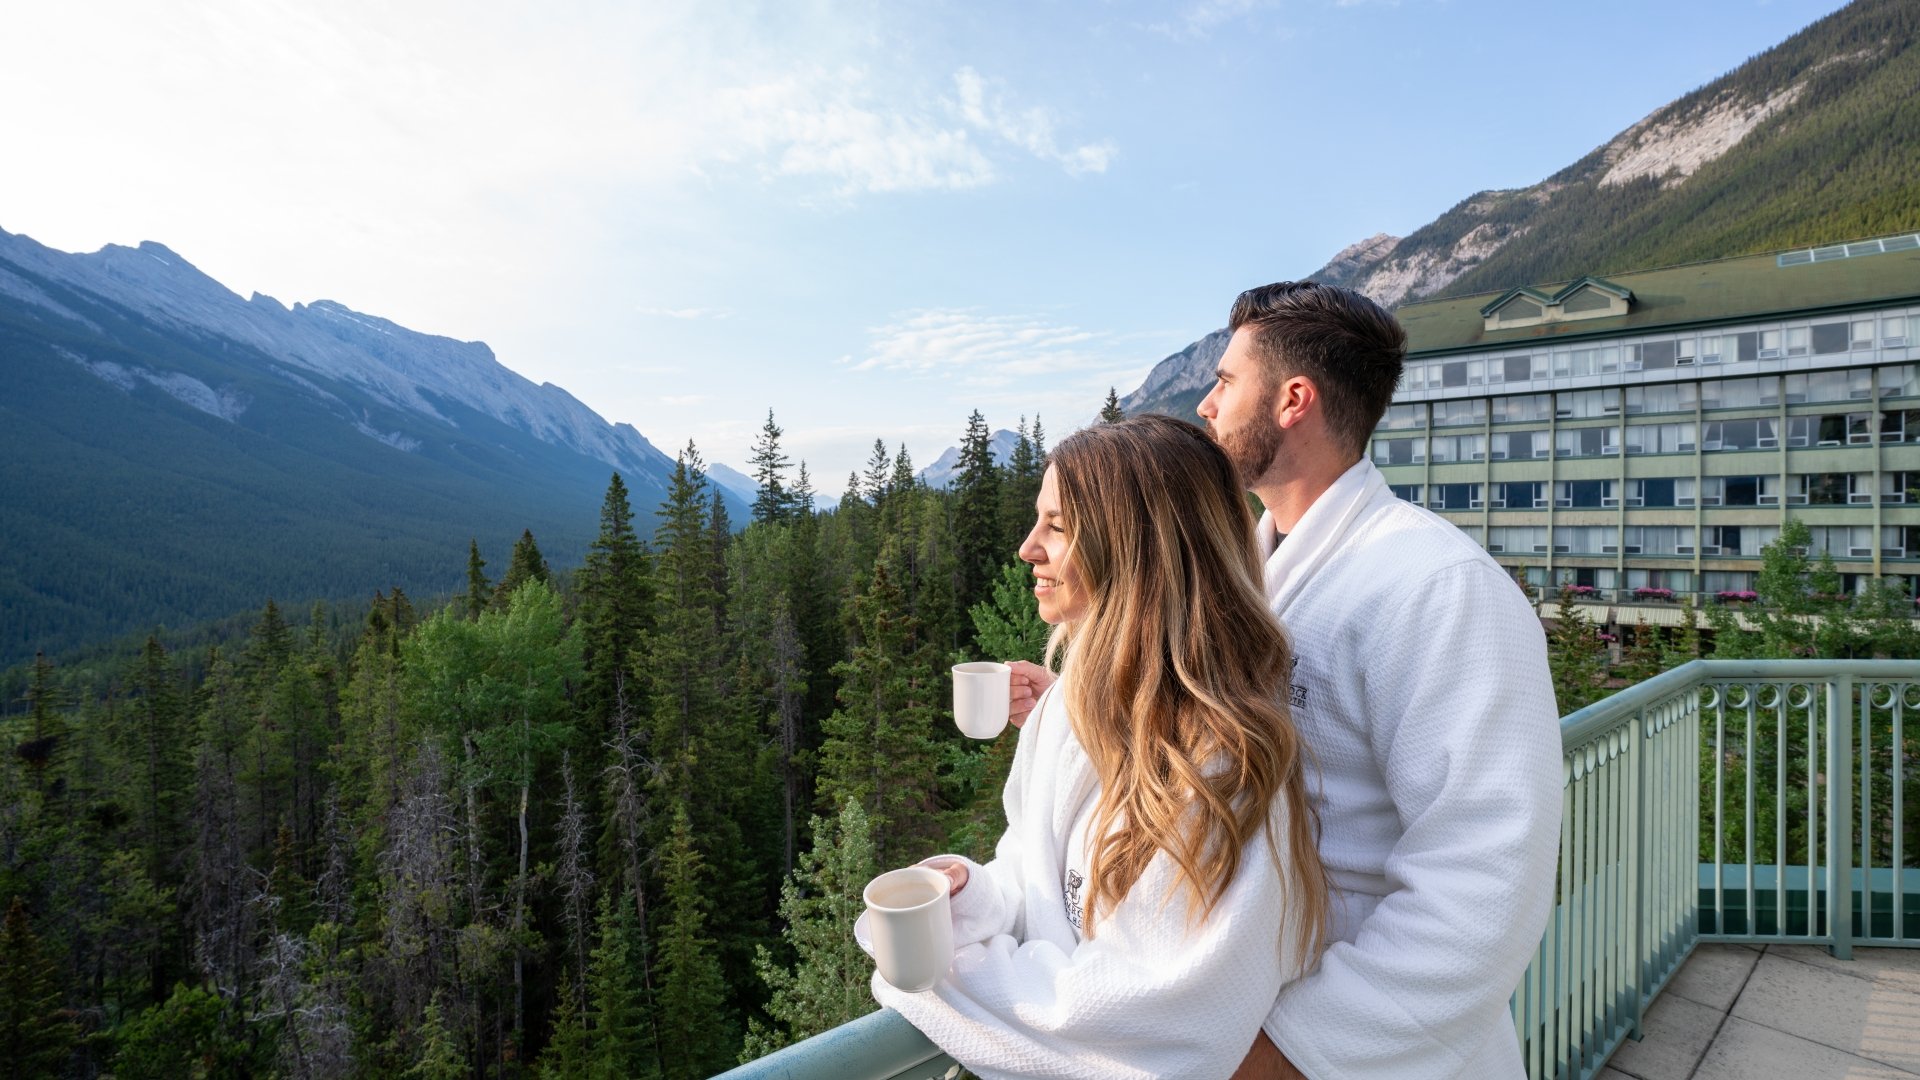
1420 682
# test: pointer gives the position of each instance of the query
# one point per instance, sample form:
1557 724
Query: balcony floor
1752 1012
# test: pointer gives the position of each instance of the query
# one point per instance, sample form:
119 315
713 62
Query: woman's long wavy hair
1176 674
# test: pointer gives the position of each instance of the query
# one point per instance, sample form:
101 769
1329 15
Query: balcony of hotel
1690 937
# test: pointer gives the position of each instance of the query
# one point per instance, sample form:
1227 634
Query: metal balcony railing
1723 801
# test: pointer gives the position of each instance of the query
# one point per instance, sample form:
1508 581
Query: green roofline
1709 293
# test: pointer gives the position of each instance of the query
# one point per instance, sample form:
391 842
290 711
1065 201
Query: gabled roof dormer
1586 297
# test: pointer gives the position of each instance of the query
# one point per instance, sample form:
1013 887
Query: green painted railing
1722 801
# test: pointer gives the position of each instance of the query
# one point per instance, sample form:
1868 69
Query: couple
1326 851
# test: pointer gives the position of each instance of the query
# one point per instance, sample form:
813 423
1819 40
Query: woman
1158 879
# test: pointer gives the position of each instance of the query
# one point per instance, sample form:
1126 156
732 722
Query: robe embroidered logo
1296 693
1074 881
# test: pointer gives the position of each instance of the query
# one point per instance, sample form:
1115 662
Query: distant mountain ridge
1814 141
176 452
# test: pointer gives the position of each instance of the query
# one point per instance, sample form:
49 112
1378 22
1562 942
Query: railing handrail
1582 724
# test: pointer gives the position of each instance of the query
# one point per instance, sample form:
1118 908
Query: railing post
1638 875
1839 807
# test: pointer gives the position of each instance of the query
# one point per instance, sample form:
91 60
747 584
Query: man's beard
1253 447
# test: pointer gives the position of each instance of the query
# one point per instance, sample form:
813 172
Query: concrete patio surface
1759 1012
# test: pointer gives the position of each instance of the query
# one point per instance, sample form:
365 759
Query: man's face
1239 410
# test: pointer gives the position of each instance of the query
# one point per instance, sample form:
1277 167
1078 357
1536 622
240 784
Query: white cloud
983 349
984 106
1199 20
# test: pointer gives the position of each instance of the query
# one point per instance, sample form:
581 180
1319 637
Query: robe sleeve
1466 735
1146 996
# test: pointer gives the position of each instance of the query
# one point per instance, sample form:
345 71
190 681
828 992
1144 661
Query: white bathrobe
1146 996
1421 684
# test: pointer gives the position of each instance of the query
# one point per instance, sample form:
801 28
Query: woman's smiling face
1055 583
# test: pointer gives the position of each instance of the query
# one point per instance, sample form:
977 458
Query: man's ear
1296 399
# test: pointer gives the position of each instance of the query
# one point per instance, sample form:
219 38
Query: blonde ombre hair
1176 673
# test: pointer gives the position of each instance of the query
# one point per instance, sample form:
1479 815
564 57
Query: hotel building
1644 435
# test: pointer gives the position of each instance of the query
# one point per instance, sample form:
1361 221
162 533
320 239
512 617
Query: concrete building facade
1642 436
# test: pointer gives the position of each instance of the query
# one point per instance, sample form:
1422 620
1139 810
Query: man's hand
1266 1062
955 870
1029 682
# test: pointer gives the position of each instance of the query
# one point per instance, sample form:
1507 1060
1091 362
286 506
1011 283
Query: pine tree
684 651
903 480
46 728
692 1018
37 1034
980 548
800 499
828 983
479 590
879 471
437 1054
1111 411
772 505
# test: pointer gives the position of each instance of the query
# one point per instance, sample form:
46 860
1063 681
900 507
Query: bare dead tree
415 870
575 876
333 889
627 778
789 687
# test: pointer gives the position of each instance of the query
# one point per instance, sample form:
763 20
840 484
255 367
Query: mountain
946 468
175 452
1814 141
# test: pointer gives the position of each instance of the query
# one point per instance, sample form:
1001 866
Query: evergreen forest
606 822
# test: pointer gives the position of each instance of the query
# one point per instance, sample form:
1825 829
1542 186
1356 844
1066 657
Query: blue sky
870 217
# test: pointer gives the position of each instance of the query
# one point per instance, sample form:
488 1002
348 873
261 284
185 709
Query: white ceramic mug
911 926
982 694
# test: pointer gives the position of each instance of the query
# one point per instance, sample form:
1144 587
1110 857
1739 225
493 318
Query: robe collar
1317 534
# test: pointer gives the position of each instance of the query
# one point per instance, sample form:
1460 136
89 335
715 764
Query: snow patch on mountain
397 440
1427 272
1675 148
946 468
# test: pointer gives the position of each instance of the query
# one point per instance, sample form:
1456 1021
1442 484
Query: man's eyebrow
1220 373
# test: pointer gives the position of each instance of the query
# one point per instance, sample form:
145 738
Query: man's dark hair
1348 345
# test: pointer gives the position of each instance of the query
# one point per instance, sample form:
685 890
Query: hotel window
1852 385
1740 491
1461 373
1510 368
1757 434
1862 336
1659 355
1900 541
1663 398
1459 448
1900 487
1833 337
1900 425
1770 345
1893 332
1739 541
1740 393
1797 344
1472 531
1728 581
1841 541
1517 539
1901 381
1399 451
1658 540
1585 494
1408 492
1678 581
1403 417
1660 492
1585 539
1453 496
1459 413
1584 404
1519 445
1587 442
1594 361
1660 438
1831 429
1518 495
1522 408
1829 489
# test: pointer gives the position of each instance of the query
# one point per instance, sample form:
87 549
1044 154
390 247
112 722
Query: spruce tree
828 983
879 750
879 471
615 604
527 565
684 652
37 1034
980 547
1576 656
772 504
1111 411
692 1018
479 590
46 727
620 1042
